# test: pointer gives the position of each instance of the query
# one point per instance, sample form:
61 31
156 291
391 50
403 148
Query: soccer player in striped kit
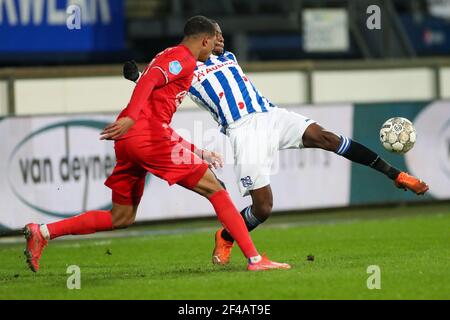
258 129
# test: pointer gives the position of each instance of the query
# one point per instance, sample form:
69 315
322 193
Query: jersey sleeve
174 65
230 55
148 81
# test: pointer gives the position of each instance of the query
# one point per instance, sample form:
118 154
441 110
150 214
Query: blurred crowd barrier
62 90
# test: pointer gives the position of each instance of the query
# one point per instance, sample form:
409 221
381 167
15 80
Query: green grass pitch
410 244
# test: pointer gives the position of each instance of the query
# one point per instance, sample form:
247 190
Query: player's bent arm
152 79
116 129
131 72
149 81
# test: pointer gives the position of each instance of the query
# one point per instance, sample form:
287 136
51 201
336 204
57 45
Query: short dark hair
198 25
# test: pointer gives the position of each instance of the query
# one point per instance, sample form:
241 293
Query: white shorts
256 139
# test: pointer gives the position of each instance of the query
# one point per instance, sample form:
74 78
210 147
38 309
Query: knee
326 140
330 141
208 185
212 189
122 219
262 211
222 184
122 224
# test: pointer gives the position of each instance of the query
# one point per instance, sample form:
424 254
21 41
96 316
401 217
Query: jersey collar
187 49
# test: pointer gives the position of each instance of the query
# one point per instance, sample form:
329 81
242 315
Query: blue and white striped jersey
221 87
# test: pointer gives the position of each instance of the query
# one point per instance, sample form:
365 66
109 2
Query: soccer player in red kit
144 142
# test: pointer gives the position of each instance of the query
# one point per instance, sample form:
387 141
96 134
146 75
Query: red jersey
177 65
151 145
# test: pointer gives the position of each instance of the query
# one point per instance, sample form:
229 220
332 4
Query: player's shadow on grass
92 275
201 271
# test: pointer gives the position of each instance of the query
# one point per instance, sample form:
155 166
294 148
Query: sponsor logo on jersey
202 70
175 67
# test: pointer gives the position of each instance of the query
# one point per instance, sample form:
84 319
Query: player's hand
116 129
131 70
213 158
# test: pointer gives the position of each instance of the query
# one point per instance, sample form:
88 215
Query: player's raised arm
150 80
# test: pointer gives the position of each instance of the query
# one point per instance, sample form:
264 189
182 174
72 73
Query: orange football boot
266 264
222 250
35 245
406 181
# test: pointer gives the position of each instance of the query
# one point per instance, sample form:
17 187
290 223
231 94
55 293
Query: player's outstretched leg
37 236
254 215
317 137
230 218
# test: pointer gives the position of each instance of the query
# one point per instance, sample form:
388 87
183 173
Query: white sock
44 231
254 259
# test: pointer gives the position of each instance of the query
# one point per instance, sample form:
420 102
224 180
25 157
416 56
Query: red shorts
157 153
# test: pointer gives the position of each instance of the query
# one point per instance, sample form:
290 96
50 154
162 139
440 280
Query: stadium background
334 70
58 87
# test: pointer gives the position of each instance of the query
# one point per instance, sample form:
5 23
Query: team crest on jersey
175 67
246 182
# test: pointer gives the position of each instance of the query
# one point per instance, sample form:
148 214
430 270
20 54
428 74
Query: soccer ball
398 135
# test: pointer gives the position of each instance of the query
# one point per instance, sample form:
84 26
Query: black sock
251 222
358 153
